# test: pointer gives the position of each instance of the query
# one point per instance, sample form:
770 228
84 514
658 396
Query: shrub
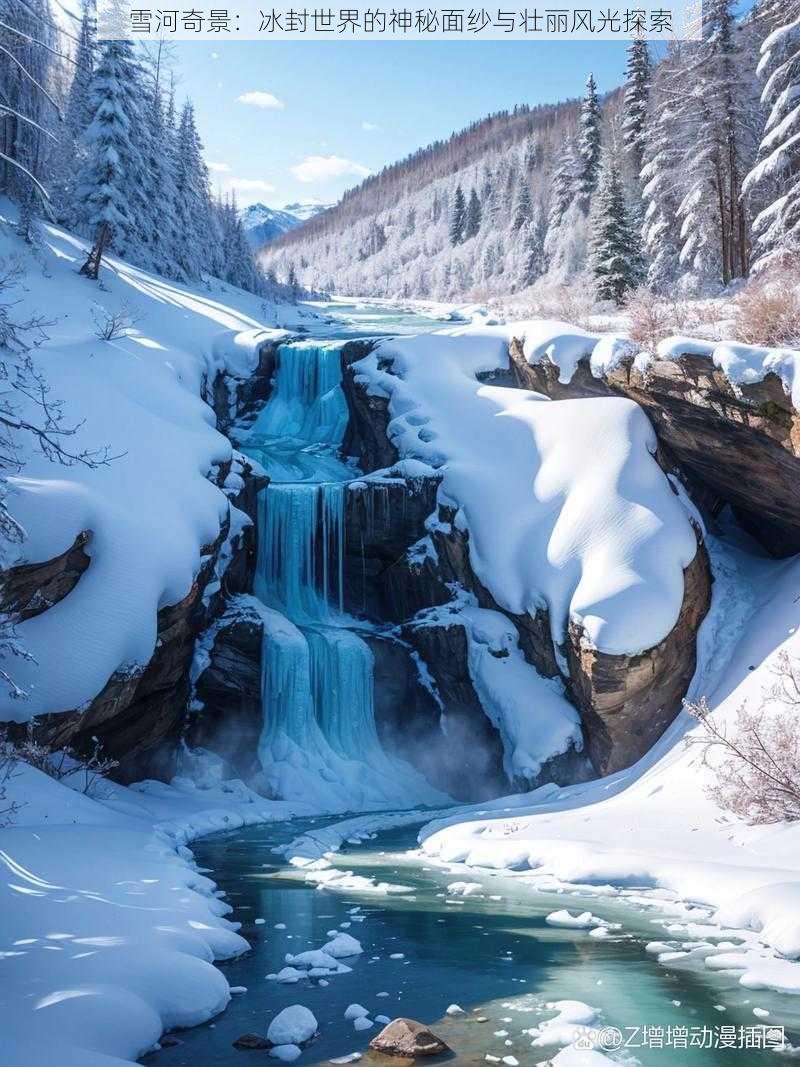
767 311
758 777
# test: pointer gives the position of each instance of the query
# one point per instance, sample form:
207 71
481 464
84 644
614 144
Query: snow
152 510
293 1026
565 918
355 1011
116 929
342 946
596 534
729 894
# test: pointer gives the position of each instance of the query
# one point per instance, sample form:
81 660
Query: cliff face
738 445
399 564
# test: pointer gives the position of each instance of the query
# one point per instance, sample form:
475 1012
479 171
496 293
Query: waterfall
319 741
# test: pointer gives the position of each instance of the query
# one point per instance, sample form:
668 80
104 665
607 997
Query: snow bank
564 346
152 510
108 932
565 505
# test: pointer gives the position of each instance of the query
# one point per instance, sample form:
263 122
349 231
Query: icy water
494 955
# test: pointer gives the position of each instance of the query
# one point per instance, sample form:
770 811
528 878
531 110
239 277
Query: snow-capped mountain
263 224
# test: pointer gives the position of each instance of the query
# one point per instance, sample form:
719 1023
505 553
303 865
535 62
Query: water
319 741
495 955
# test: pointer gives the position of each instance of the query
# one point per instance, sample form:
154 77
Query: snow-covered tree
776 174
69 152
105 179
637 93
523 208
615 255
589 143
28 108
458 217
660 176
563 183
473 218
198 248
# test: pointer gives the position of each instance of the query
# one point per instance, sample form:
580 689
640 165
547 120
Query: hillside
601 194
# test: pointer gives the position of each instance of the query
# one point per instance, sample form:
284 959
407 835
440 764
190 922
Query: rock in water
250 1041
294 1025
406 1037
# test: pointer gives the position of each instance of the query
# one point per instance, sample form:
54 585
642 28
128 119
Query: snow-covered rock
294 1025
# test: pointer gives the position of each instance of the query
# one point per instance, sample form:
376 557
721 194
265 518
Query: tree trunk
91 268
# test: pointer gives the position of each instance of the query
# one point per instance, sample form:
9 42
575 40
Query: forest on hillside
93 137
683 181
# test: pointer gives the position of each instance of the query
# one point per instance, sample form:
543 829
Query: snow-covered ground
106 887
152 509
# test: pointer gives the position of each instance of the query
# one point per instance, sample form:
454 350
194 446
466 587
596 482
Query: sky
303 121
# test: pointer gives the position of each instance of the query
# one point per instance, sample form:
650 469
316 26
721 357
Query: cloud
370 127
263 100
324 168
218 168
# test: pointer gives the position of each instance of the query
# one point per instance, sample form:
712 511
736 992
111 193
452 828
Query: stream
424 948
491 951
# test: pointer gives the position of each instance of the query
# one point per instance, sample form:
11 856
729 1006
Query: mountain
264 224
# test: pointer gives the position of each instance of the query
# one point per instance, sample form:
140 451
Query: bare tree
758 777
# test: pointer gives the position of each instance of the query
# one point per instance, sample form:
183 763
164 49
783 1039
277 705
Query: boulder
247 1042
406 1037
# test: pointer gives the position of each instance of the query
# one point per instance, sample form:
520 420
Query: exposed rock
236 399
31 588
741 442
626 702
366 438
466 759
406 1037
251 1042
227 717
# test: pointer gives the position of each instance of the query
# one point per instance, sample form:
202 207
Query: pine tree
660 174
562 186
615 255
198 249
104 181
473 219
69 152
637 93
589 144
776 176
531 154
458 218
533 258
523 209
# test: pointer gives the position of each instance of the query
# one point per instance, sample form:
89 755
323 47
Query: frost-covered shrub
767 311
652 318
758 776
8 760
79 771
109 325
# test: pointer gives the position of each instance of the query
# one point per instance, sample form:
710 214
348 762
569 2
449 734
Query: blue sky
304 121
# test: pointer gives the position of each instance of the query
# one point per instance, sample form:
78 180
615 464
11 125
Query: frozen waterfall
318 740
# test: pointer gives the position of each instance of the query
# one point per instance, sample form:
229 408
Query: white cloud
218 168
370 127
324 168
263 100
